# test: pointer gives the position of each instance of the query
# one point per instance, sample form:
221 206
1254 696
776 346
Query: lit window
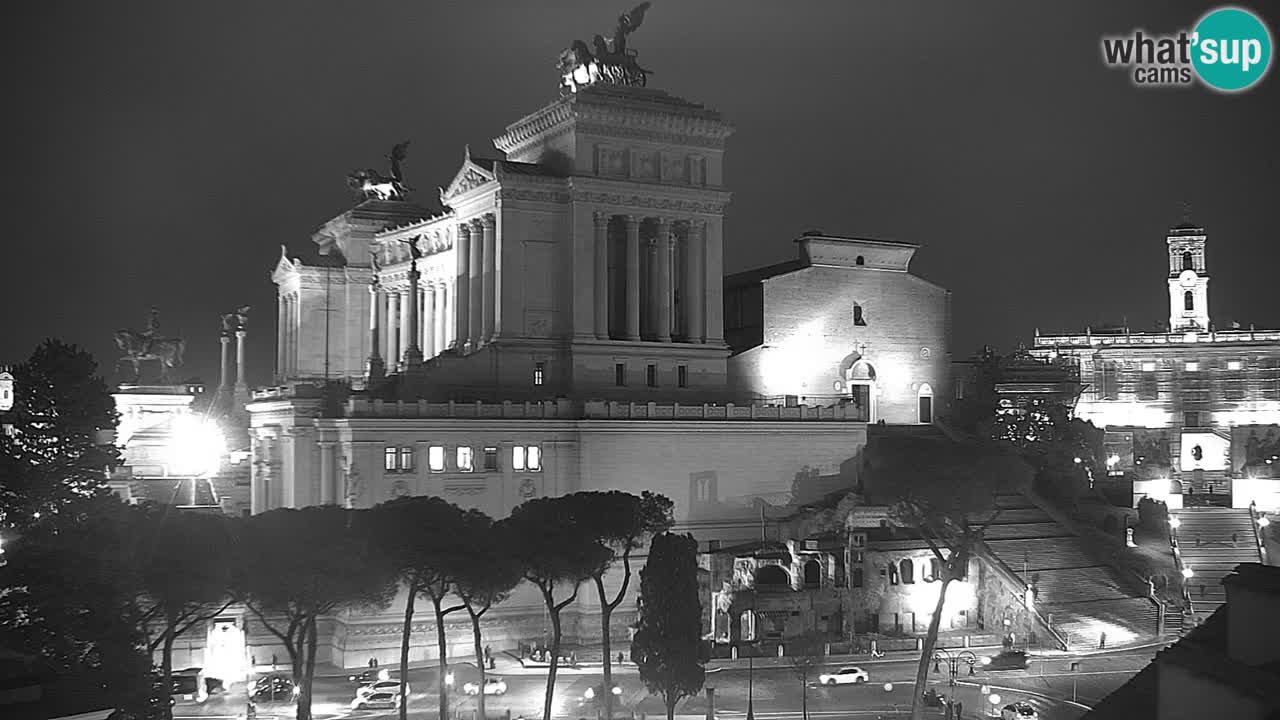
1233 365
534 456
406 459
682 376
491 458
435 458
389 459
651 375
526 458
1192 366
539 371
464 459
517 458
1148 367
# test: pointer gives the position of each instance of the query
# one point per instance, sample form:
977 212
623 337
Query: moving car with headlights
844 676
492 686
1019 711
368 677
391 686
1006 660
378 700
593 694
274 687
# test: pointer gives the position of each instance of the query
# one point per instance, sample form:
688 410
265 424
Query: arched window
1188 301
1188 261
908 570
857 577
893 574
772 577
813 574
858 319
860 261
935 569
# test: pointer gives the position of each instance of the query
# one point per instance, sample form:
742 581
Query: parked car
492 686
368 677
933 699
378 700
391 686
1006 660
1019 711
276 687
844 676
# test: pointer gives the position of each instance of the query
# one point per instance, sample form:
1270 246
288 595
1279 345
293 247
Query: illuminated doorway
224 654
860 379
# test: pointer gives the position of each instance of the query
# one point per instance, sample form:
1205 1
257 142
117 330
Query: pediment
470 176
284 267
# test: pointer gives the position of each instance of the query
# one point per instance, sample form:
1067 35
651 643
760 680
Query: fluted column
291 341
489 226
242 385
224 388
462 288
633 277
328 495
663 243
693 292
282 310
444 336
375 368
475 282
412 298
429 321
602 275
393 328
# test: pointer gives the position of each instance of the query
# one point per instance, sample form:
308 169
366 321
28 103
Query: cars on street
492 686
368 677
377 700
276 687
392 686
1006 660
844 676
1019 711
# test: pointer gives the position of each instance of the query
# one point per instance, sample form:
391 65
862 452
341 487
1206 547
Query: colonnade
391 325
650 278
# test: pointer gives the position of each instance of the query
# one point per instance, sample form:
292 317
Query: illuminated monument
1192 411
557 324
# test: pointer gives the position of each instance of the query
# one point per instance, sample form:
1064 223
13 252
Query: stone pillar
633 277
442 317
429 321
375 369
242 387
475 283
291 338
224 389
393 328
462 288
489 279
412 298
327 495
713 290
282 321
693 292
663 305
602 275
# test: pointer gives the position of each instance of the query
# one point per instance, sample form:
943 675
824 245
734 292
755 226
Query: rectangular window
517 458
651 375
1234 365
435 458
539 370
389 459
1191 420
406 459
1148 367
1192 366
464 459
491 458
1148 385
1107 382
620 374
533 458
682 376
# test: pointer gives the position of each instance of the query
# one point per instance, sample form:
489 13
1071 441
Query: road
1048 685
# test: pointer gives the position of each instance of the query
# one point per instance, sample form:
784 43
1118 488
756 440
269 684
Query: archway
772 577
812 574
860 381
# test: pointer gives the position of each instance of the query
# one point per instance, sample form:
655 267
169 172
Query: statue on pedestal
149 345
235 320
611 62
373 185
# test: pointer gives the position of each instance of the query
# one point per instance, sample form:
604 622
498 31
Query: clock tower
1188 279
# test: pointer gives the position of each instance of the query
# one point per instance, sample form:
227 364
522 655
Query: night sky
160 152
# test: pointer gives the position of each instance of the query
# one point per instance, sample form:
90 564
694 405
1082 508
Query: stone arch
860 260
1188 301
772 577
813 573
907 570
924 404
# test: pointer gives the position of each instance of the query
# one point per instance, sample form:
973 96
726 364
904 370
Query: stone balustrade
564 409
1176 338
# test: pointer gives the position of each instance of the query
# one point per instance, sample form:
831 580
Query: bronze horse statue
137 347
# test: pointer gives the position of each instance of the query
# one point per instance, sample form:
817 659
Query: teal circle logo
1231 49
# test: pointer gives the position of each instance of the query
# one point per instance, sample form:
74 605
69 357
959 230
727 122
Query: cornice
704 205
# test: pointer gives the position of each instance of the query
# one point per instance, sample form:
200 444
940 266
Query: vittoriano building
1191 410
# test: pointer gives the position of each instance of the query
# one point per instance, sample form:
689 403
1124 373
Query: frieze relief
638 201
548 196
465 489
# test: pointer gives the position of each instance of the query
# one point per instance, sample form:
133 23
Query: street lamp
994 699
196 446
751 712
953 661
1187 572
1174 522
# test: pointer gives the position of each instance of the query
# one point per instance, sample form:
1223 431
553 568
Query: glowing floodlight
1263 521
589 694
617 690
994 698
888 687
448 679
196 446
1174 522
1187 572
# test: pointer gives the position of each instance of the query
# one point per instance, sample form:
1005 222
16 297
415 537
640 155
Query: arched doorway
812 574
924 401
772 577
860 381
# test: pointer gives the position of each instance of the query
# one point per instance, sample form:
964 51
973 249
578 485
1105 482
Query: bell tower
1188 279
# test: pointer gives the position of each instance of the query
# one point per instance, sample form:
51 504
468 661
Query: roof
750 277
818 235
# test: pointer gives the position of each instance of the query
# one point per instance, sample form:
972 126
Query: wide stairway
1080 596
1212 542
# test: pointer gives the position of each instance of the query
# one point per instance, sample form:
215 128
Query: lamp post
751 713
953 661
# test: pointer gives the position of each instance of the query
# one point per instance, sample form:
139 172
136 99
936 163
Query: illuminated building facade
1191 410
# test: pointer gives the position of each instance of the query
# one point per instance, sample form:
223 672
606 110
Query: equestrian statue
370 184
604 53
150 345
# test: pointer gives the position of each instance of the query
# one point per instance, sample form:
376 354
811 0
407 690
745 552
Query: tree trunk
308 668
671 707
926 650
555 654
804 695
442 644
475 636
606 613
404 651
166 663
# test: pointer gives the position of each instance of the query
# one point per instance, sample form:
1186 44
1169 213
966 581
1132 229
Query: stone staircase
1080 596
1212 542
1202 488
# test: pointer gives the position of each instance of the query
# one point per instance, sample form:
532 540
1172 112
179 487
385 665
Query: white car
492 686
387 700
1019 711
382 686
844 676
